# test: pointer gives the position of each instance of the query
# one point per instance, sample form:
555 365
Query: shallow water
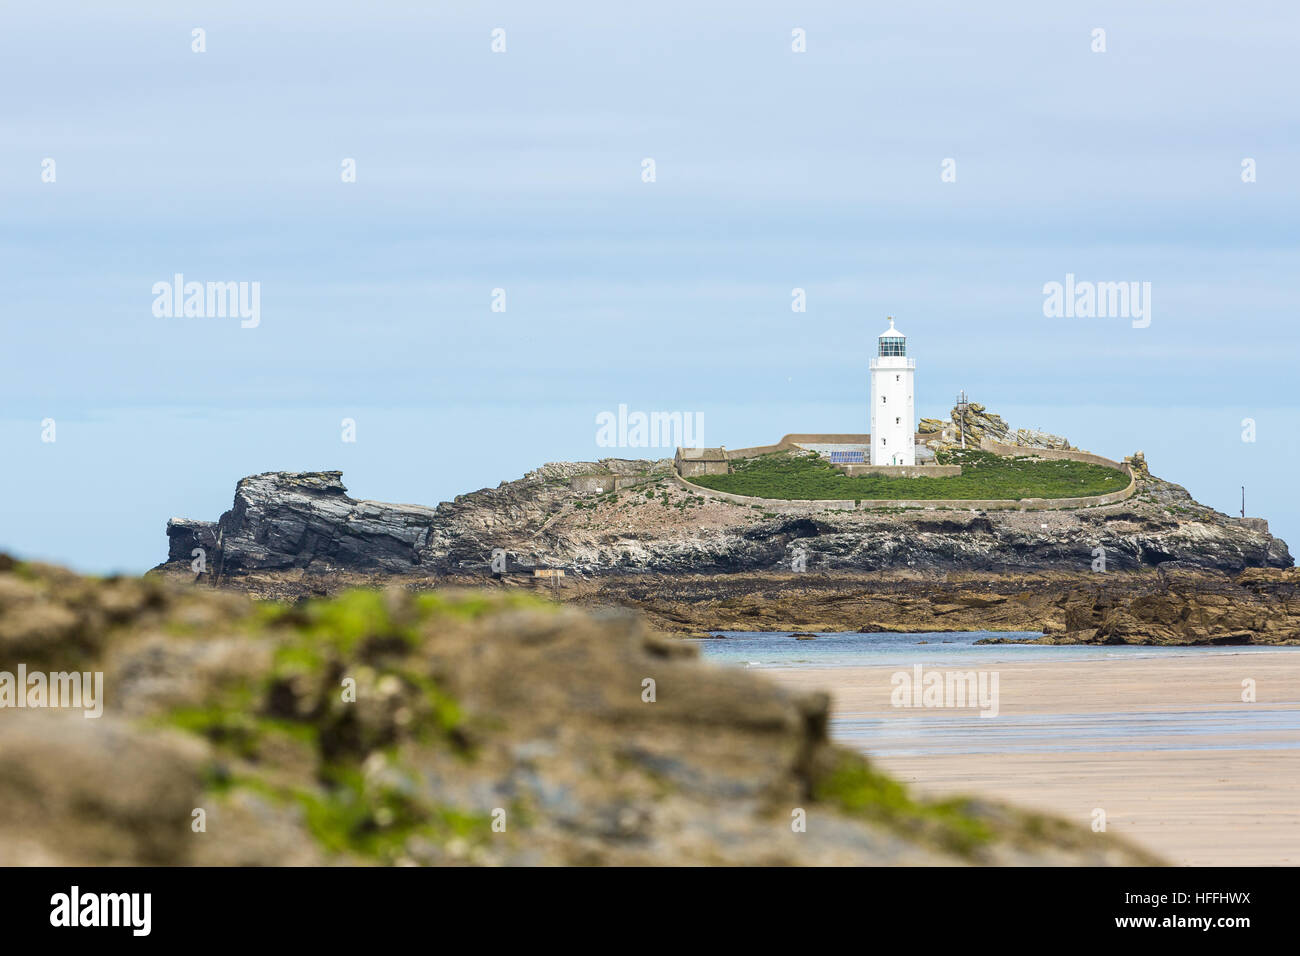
851 649
915 734
919 732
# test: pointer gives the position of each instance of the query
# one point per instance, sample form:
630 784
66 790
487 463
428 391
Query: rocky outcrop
291 520
306 522
186 537
977 422
439 728
1172 605
1182 604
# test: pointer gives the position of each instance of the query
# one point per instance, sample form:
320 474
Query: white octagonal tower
893 425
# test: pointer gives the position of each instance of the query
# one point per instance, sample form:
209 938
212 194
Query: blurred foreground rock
438 728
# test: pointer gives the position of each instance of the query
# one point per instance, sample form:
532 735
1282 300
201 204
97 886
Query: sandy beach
1164 745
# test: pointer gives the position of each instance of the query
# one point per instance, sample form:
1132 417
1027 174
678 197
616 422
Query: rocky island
1156 567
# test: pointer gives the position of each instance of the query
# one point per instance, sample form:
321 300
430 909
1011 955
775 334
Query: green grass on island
984 475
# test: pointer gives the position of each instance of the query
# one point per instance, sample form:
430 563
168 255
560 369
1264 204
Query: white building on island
893 421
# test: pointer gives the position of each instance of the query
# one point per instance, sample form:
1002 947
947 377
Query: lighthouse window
893 346
898 378
884 442
883 399
898 421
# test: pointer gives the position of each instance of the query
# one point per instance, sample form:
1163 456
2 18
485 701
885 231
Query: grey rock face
184 535
284 520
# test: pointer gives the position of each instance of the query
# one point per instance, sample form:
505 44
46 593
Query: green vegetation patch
361 616
984 475
372 820
299 706
376 820
859 791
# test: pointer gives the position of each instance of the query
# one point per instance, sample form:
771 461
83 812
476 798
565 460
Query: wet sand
1164 745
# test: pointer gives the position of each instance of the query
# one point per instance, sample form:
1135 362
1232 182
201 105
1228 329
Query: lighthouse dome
892 341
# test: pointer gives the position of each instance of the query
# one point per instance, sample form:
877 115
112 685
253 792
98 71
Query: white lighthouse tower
893 425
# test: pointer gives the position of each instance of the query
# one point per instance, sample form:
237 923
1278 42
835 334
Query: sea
852 649
907 732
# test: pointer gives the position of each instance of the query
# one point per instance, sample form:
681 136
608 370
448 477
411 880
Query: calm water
931 731
911 733
851 649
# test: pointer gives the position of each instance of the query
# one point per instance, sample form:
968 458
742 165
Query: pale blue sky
522 170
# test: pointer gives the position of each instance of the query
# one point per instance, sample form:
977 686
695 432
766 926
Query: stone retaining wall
1020 451
734 454
901 471
808 438
600 484
593 484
